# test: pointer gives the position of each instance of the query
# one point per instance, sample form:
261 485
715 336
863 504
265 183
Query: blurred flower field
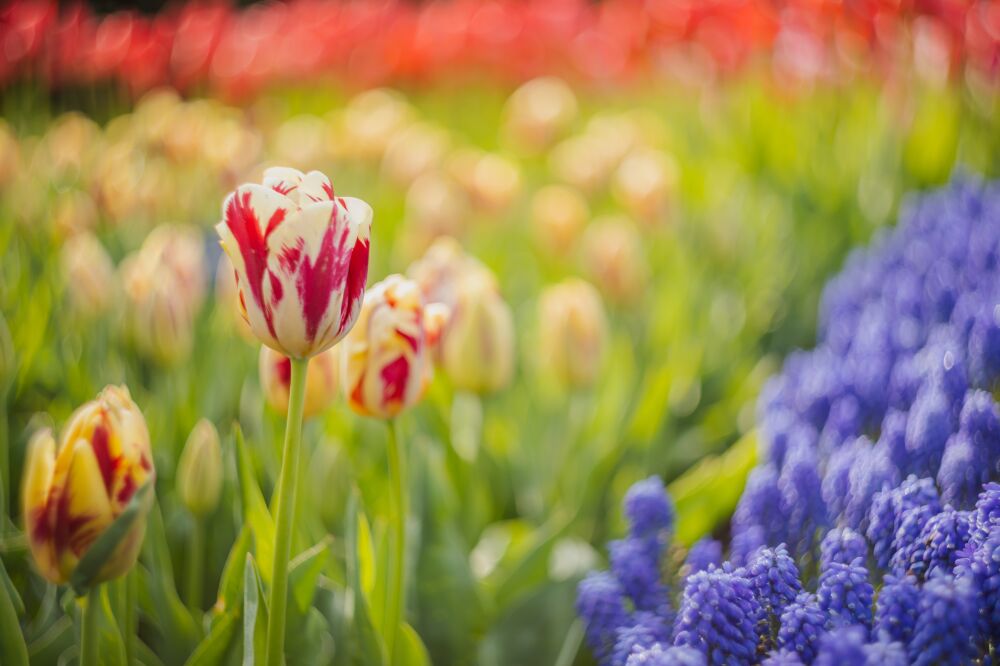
599 271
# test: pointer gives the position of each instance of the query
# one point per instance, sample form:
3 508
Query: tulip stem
88 630
396 584
196 564
285 510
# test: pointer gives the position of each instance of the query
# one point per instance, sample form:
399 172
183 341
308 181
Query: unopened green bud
199 471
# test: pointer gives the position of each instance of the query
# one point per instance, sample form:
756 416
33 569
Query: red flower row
367 42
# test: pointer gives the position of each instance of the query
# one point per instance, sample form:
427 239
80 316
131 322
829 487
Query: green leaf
231 583
255 512
304 571
369 650
15 651
707 493
102 548
254 615
211 650
179 632
411 649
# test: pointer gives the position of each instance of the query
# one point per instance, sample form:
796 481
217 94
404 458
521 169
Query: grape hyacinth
876 483
844 545
718 616
802 624
845 594
946 627
896 613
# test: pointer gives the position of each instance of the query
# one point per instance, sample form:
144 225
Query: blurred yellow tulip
558 214
572 333
89 275
613 256
538 112
72 494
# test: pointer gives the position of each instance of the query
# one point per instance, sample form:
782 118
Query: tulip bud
491 181
199 470
477 346
180 250
573 332
321 380
442 268
613 255
538 112
644 181
73 494
584 162
387 356
159 319
301 259
558 213
435 206
416 150
75 213
372 119
89 275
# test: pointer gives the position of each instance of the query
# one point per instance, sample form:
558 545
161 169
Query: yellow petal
87 509
39 467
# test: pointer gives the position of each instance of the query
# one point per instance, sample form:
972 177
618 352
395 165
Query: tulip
491 181
88 273
387 356
413 152
301 259
614 257
372 119
74 213
476 349
160 319
644 181
300 255
386 368
538 112
572 333
199 485
436 205
477 345
72 494
442 268
558 213
321 380
199 470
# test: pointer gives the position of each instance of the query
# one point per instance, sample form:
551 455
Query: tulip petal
284 180
84 505
251 215
39 470
315 187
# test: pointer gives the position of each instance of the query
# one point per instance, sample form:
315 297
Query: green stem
130 628
88 631
4 463
196 565
285 509
396 584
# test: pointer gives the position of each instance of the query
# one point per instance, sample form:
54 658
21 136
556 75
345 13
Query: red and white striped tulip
73 494
386 359
300 255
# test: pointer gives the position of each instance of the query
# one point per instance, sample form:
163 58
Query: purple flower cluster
879 453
